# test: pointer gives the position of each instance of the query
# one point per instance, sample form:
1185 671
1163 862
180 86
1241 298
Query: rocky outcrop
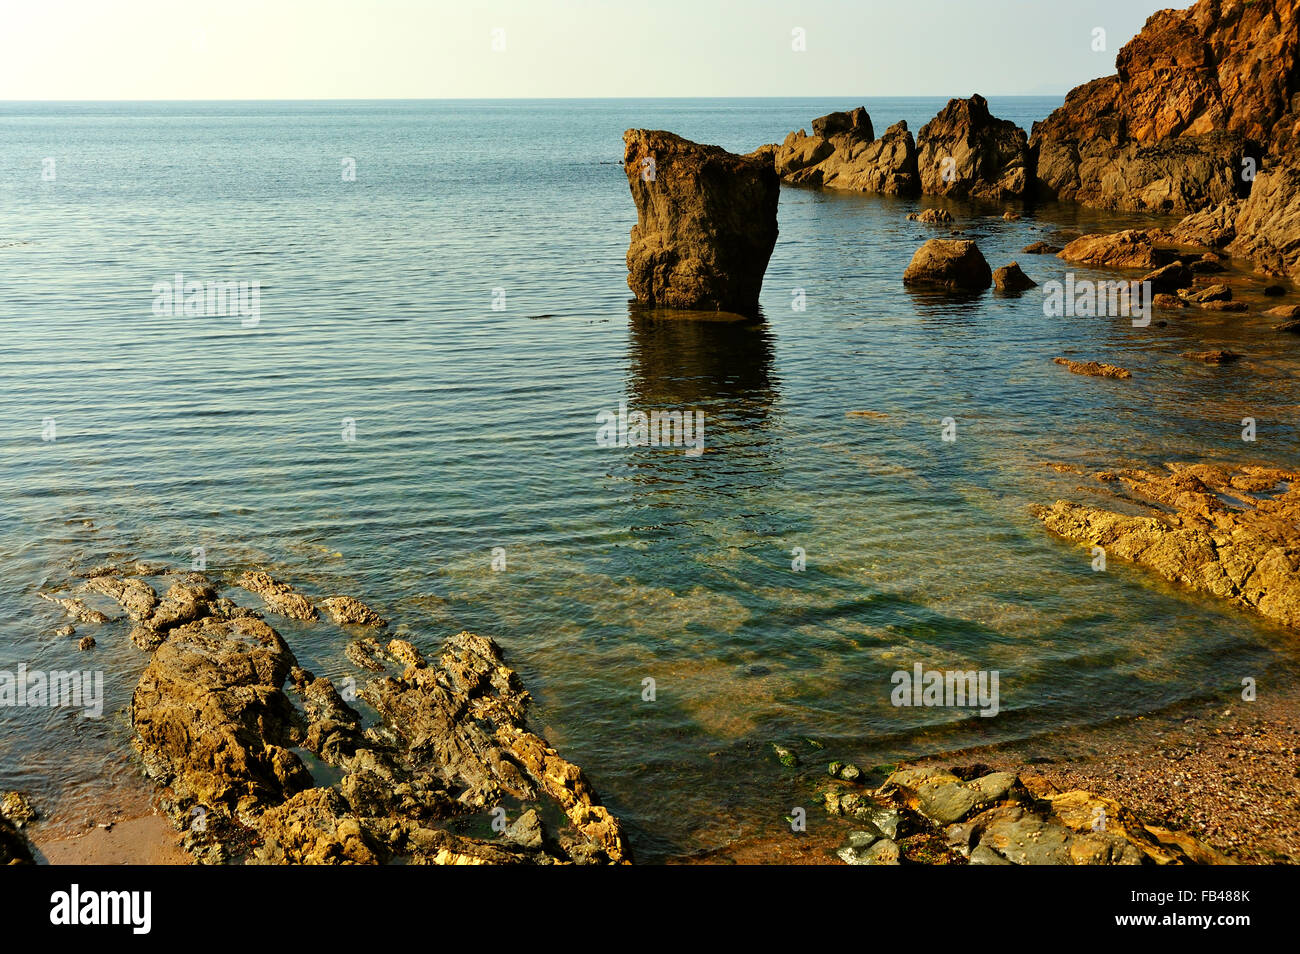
843 153
965 151
280 598
1131 248
952 263
973 816
219 730
1194 93
1233 533
706 223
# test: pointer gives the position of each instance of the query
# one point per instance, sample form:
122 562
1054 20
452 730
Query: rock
135 596
1131 248
1289 312
953 263
850 773
1010 279
1094 368
1170 278
1041 248
1204 266
1211 293
76 608
348 611
965 151
1011 216
1292 327
1214 227
1220 305
1168 301
1213 357
1268 225
184 602
834 769
1194 93
86 642
706 223
1274 291
527 830
18 808
280 597
315 827
14 848
984 855
1248 555
211 720
931 216
366 653
843 153
65 631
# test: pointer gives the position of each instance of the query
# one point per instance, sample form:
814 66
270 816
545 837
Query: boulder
1170 278
953 263
1010 279
1131 248
706 223
931 216
965 151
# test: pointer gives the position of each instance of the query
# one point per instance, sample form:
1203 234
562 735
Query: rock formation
1248 554
706 223
953 263
1009 279
843 153
965 151
1195 93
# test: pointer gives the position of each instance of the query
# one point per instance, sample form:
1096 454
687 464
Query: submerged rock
1094 369
965 151
953 263
706 223
931 216
1040 248
348 611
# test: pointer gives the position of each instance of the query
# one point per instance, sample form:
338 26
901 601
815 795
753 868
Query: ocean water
475 429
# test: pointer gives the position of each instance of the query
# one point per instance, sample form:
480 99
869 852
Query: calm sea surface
475 429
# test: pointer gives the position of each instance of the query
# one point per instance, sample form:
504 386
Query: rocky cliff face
706 223
965 151
843 153
1194 94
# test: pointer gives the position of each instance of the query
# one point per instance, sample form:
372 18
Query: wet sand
148 840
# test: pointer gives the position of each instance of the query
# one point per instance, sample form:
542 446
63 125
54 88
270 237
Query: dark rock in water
366 653
706 223
86 642
1218 292
1164 300
953 263
1010 279
965 151
1291 327
1195 93
1094 369
1274 291
1170 278
843 153
14 849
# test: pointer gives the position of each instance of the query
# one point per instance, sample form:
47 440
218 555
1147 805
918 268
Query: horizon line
539 99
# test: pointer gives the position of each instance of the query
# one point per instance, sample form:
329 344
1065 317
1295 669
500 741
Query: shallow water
475 429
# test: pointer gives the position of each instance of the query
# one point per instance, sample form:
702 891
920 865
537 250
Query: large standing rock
843 153
1194 93
706 223
953 263
965 151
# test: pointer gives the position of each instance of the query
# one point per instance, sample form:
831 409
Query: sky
415 49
